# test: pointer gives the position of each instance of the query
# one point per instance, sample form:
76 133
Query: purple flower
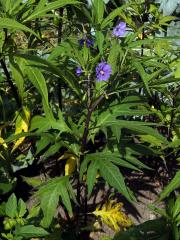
89 42
103 71
81 42
78 71
119 30
86 41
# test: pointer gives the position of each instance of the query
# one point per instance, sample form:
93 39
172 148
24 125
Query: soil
147 191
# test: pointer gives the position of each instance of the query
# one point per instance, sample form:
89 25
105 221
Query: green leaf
2 39
91 176
146 231
143 74
41 11
174 184
100 41
165 19
10 5
21 208
42 124
17 76
65 75
71 192
64 49
13 24
6 5
15 6
30 231
6 186
48 195
11 206
177 72
125 163
139 127
112 15
133 160
38 80
43 142
150 139
85 54
113 176
49 203
128 108
106 238
41 4
98 11
117 132
104 162
84 166
32 181
176 208
114 157
113 57
52 150
65 198
39 123
33 212
2 209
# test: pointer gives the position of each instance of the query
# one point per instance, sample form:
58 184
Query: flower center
102 72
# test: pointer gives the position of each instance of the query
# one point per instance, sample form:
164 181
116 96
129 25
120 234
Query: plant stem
91 108
60 26
172 113
9 81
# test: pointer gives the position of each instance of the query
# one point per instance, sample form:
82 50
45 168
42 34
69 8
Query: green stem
60 27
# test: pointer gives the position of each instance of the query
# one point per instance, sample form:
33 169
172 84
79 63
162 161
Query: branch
91 108
86 129
60 27
11 85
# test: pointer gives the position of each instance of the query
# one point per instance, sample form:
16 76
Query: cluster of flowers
103 69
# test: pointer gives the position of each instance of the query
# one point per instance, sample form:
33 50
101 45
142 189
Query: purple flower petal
86 41
81 42
78 71
119 30
103 71
122 25
89 43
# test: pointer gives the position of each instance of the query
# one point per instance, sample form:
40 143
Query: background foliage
65 134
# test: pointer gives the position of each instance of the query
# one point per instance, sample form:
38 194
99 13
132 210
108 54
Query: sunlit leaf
111 214
56 189
70 166
22 125
41 11
174 184
13 24
30 231
11 206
